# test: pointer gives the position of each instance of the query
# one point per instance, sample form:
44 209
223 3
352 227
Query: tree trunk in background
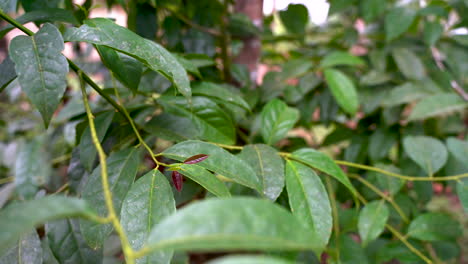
251 51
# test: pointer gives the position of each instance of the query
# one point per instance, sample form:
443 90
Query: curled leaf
196 159
178 180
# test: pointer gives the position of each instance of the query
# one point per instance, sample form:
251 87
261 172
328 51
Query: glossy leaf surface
18 218
343 90
67 244
248 224
322 162
149 200
437 105
206 179
122 168
276 120
429 153
31 168
220 161
433 227
268 166
372 220
104 32
308 200
87 149
41 68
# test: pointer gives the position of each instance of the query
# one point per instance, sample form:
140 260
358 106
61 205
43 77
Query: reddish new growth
178 178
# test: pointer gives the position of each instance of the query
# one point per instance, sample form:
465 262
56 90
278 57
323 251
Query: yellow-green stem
383 196
126 247
400 237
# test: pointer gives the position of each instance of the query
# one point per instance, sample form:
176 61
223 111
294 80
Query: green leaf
125 68
121 168
206 179
32 168
276 120
293 94
322 162
406 93
67 244
429 153
30 5
459 150
27 250
432 32
232 224
372 220
398 21
437 105
41 68
409 63
8 5
434 227
340 58
87 149
308 200
219 161
7 73
211 120
295 18
295 68
149 201
216 91
371 9
104 32
269 167
172 127
380 143
385 183
20 217
250 259
43 15
343 90
350 251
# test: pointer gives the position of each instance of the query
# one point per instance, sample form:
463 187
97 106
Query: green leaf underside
232 224
434 227
322 162
18 218
149 200
219 92
372 220
409 63
429 153
126 69
277 119
7 72
269 167
398 21
219 161
87 149
459 150
211 121
67 244
41 68
122 168
340 58
104 32
31 168
343 90
26 251
250 259
308 200
206 179
437 105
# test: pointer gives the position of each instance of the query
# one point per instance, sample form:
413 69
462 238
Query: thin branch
193 24
455 85
112 215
